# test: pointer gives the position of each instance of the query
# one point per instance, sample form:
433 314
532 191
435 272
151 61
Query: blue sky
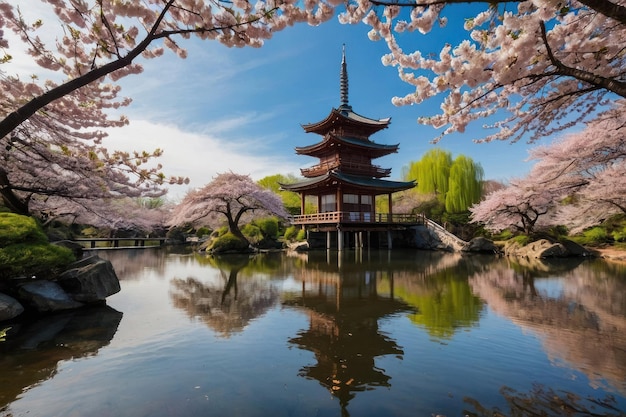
241 110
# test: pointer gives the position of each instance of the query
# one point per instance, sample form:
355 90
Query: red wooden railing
356 217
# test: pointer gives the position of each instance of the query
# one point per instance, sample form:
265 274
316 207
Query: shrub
594 236
291 233
203 231
301 235
252 232
268 227
228 243
619 235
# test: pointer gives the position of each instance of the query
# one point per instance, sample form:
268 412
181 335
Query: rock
481 245
46 296
427 240
9 307
90 280
76 248
299 246
544 248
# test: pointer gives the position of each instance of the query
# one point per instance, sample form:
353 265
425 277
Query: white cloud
199 156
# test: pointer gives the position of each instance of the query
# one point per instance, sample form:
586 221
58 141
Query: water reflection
579 313
224 304
545 401
344 306
32 350
386 333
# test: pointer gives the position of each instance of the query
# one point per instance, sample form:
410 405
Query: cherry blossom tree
587 170
517 207
577 181
130 214
52 129
538 66
229 198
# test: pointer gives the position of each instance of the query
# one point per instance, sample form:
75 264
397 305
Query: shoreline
611 254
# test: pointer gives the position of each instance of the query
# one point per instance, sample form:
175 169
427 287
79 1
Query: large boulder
9 307
46 296
544 248
90 280
481 245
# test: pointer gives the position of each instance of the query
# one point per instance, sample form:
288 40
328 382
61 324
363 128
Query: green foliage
15 228
27 259
619 235
203 231
294 233
433 209
523 240
252 232
457 184
504 235
291 233
25 251
228 242
269 227
291 200
431 173
594 236
464 185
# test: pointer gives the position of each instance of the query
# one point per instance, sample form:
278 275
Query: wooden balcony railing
346 167
356 217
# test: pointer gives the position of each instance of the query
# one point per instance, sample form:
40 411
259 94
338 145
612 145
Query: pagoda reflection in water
344 309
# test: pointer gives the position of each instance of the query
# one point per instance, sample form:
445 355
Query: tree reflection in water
34 348
545 402
224 305
579 318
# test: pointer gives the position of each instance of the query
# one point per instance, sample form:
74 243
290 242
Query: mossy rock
25 250
15 228
229 243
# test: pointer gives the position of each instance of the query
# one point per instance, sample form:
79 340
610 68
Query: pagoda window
329 203
351 205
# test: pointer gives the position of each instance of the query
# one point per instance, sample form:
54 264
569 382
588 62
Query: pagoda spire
343 82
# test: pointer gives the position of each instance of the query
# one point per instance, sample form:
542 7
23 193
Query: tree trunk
10 200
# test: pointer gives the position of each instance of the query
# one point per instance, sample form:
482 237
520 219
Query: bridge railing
115 241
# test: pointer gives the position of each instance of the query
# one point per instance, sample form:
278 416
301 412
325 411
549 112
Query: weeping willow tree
457 183
432 173
465 184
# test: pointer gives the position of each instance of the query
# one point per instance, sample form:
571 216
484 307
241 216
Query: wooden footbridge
120 242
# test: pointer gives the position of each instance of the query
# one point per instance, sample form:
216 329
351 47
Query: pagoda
344 182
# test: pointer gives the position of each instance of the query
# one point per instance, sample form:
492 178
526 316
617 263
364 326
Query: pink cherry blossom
229 199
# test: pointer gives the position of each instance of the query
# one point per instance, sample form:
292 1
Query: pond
356 333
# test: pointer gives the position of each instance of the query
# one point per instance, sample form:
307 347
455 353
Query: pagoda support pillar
390 203
328 240
339 239
389 240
